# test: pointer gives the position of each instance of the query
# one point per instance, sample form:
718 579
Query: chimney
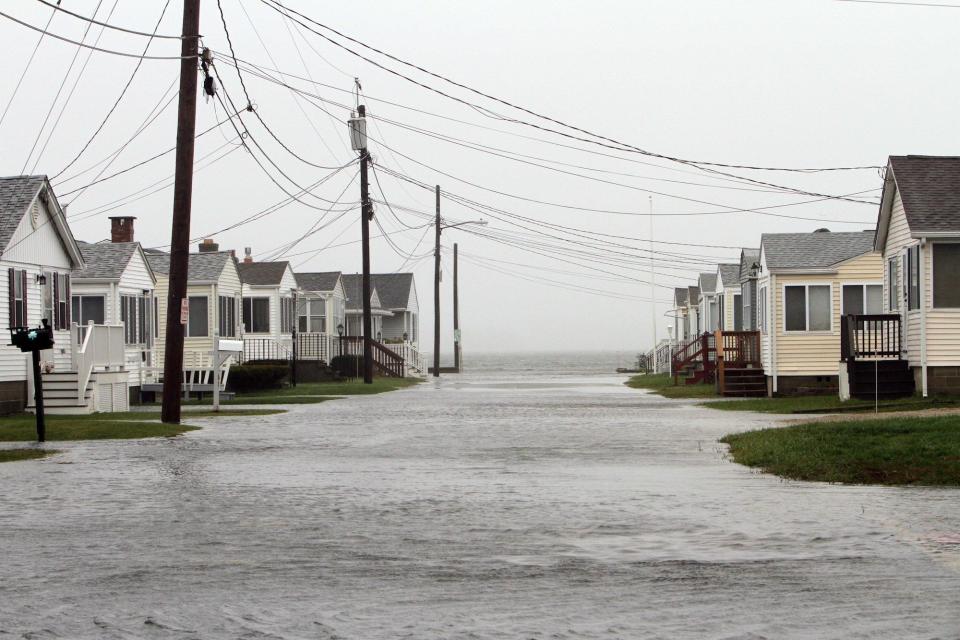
247 255
208 245
121 228
233 253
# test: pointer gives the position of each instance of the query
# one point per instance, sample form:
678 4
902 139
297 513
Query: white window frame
806 286
863 285
892 292
763 304
186 328
932 249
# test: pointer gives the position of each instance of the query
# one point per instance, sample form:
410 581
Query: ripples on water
534 497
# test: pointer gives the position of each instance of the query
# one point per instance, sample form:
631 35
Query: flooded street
494 505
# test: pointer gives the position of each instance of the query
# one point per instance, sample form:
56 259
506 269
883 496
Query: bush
257 377
348 366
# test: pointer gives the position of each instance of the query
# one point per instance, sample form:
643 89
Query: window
17 282
911 283
807 308
156 318
62 301
946 276
860 299
737 312
762 309
228 316
286 315
893 303
87 309
313 316
143 320
256 315
198 322
747 312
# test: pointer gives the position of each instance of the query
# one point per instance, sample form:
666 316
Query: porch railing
871 336
739 348
264 349
96 347
385 360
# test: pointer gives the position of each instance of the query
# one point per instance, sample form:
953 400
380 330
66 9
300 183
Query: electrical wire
26 67
107 25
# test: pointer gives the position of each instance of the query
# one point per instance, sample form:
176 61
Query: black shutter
11 291
67 304
55 302
23 280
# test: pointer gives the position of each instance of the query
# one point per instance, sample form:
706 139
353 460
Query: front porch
872 365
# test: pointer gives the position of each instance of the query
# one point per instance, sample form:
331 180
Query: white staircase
61 394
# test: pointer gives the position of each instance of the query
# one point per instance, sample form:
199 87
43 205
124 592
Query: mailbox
36 339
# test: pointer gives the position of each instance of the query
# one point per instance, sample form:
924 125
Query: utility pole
436 295
182 199
653 292
366 214
456 313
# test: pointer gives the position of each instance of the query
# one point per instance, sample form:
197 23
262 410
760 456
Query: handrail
871 336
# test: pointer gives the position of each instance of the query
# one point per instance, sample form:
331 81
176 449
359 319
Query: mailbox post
222 350
35 340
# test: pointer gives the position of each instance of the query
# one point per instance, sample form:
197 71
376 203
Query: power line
26 68
87 46
116 102
907 4
107 25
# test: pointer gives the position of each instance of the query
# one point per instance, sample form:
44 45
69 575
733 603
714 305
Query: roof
16 194
929 187
353 289
393 289
817 250
729 273
105 260
262 273
748 258
318 281
204 267
693 295
680 296
708 282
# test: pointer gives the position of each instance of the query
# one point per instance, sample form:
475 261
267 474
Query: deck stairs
871 350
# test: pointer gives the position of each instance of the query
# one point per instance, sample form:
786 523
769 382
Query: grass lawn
826 404
662 384
108 426
14 455
890 451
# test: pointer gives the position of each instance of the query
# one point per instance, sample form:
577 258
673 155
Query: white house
214 291
729 305
117 287
709 302
321 303
353 287
398 295
806 282
268 313
918 234
749 267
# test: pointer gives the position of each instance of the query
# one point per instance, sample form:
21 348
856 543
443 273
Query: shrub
256 377
349 366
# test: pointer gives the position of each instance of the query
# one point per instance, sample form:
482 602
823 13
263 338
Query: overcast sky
776 83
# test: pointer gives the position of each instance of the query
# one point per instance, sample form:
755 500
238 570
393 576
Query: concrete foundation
807 385
13 397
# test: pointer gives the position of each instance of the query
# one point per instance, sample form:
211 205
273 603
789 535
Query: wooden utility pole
182 198
436 295
366 213
456 313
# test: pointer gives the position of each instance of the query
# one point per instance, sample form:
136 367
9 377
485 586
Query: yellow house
806 281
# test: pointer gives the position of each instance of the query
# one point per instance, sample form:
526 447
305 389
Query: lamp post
340 333
436 282
358 140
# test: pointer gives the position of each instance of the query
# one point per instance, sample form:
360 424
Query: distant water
547 363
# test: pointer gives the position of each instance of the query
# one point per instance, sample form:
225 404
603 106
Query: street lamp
340 333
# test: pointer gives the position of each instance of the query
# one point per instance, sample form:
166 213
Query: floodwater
510 502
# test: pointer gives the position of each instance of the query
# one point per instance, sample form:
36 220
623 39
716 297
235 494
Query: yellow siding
943 325
818 353
898 238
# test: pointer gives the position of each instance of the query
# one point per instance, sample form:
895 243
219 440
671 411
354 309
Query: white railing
197 370
96 347
660 356
413 360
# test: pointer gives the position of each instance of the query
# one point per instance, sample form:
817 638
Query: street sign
184 311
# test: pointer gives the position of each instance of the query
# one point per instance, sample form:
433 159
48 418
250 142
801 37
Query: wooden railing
385 360
701 349
738 348
876 336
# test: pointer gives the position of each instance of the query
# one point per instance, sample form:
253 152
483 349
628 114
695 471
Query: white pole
216 370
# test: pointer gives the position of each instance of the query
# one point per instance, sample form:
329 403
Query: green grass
662 384
15 455
23 428
826 404
889 451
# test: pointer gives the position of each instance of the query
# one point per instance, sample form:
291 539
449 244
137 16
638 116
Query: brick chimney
247 255
208 245
121 228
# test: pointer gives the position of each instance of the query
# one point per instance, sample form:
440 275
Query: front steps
105 391
746 382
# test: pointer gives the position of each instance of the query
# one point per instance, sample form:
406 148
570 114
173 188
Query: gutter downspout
923 315
772 292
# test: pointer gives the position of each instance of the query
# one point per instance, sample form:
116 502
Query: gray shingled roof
680 296
393 289
729 274
693 297
353 288
16 194
262 273
930 189
104 260
748 258
318 281
204 267
708 282
817 250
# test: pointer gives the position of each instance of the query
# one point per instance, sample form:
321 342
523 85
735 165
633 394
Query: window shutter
56 320
67 305
23 280
10 292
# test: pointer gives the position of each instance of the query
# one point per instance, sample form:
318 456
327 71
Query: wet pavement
485 507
